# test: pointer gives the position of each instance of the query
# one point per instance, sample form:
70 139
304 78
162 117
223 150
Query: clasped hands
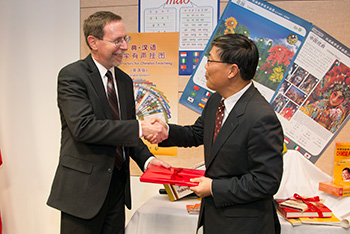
154 130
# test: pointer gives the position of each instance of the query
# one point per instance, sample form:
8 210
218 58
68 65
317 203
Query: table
161 216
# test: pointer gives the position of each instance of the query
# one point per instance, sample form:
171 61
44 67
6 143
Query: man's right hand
154 130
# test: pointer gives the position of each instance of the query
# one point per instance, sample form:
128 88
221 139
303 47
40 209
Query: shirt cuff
140 129
147 162
167 125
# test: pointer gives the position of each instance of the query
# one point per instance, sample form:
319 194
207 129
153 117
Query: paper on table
345 220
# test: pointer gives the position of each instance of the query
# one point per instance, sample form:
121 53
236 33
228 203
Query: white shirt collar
231 101
102 69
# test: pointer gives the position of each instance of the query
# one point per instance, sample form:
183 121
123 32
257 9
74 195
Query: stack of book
301 210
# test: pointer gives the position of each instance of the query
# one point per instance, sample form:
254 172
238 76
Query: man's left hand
204 187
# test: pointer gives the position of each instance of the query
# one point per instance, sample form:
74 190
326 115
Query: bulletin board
330 15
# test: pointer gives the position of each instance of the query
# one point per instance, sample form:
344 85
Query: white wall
38 38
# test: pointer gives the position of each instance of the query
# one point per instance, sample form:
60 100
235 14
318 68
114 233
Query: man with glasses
99 133
243 143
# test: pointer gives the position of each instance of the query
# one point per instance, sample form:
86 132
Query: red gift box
172 176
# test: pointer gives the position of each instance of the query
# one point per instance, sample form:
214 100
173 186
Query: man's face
216 72
108 53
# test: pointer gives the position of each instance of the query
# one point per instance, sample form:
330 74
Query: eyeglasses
214 61
119 41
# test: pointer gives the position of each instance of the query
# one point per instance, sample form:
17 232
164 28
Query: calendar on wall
195 20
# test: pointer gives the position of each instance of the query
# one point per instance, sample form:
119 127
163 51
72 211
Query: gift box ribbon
177 174
308 202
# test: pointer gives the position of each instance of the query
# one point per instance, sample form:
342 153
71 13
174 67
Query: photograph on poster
317 89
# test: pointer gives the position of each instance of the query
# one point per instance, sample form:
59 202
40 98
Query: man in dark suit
244 162
91 187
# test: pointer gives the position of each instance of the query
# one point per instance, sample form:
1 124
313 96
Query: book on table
333 220
318 210
294 204
292 221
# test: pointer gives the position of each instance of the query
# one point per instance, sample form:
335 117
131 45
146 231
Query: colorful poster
277 34
303 72
313 99
195 20
152 62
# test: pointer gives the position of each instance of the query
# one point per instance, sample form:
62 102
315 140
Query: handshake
154 130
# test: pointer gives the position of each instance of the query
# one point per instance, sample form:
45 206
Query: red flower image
280 55
267 68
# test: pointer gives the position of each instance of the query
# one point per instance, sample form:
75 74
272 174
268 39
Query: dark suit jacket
245 163
89 136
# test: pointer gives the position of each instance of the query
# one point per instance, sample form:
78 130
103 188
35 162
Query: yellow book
321 221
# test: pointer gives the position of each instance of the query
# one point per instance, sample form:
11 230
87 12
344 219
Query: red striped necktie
219 117
113 103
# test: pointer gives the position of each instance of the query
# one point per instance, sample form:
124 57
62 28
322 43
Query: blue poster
303 72
277 34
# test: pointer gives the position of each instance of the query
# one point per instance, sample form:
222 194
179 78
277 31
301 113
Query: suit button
110 170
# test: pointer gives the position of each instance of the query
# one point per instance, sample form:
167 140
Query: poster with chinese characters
277 34
312 102
152 62
195 20
303 72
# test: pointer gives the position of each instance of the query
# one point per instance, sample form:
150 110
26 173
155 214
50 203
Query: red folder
172 176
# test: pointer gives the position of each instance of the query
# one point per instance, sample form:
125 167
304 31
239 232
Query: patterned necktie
113 103
218 119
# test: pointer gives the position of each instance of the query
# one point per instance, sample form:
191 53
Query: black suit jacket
89 137
245 163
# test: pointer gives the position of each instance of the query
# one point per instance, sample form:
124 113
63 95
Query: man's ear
93 42
234 70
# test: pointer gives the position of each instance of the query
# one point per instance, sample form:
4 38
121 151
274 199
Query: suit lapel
226 130
96 81
230 124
